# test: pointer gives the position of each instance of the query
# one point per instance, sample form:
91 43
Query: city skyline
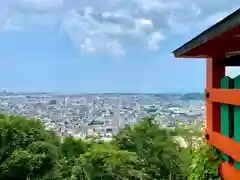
69 46
87 115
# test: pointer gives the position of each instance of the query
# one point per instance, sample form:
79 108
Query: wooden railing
223 128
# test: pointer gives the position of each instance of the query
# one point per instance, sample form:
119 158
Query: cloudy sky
103 45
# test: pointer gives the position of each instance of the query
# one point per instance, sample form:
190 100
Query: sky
96 46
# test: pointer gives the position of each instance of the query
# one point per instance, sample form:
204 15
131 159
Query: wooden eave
229 24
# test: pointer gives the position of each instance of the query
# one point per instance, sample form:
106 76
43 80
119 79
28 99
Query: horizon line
51 92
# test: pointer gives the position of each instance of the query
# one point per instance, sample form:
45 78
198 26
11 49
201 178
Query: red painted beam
226 96
225 144
228 172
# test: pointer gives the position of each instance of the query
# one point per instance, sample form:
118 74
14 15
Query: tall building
65 102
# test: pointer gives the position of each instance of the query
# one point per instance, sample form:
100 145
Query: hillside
193 96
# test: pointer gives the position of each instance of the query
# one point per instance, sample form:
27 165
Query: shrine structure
220 45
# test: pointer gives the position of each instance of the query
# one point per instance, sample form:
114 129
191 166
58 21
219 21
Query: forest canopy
139 152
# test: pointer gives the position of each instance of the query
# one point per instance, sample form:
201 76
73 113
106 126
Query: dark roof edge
225 25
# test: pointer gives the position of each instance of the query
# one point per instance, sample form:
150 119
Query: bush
205 164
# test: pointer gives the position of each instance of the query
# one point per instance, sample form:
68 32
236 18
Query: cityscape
102 115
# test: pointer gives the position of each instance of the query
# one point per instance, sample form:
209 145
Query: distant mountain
193 96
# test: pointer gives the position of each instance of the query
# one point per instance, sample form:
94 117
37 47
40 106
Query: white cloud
88 46
9 26
116 48
156 37
41 4
157 5
112 26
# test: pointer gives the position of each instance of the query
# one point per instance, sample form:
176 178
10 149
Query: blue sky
115 46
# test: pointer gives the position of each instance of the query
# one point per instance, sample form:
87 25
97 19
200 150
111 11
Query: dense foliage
141 152
205 164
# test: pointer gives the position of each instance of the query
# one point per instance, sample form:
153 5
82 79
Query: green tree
205 164
26 149
140 152
191 135
37 161
105 161
78 147
19 132
201 160
158 154
71 148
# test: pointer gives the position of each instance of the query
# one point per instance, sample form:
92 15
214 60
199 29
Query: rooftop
222 37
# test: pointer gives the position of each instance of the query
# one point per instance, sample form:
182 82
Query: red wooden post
214 74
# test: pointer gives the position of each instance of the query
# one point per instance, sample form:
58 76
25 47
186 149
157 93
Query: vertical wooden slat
237 120
226 114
